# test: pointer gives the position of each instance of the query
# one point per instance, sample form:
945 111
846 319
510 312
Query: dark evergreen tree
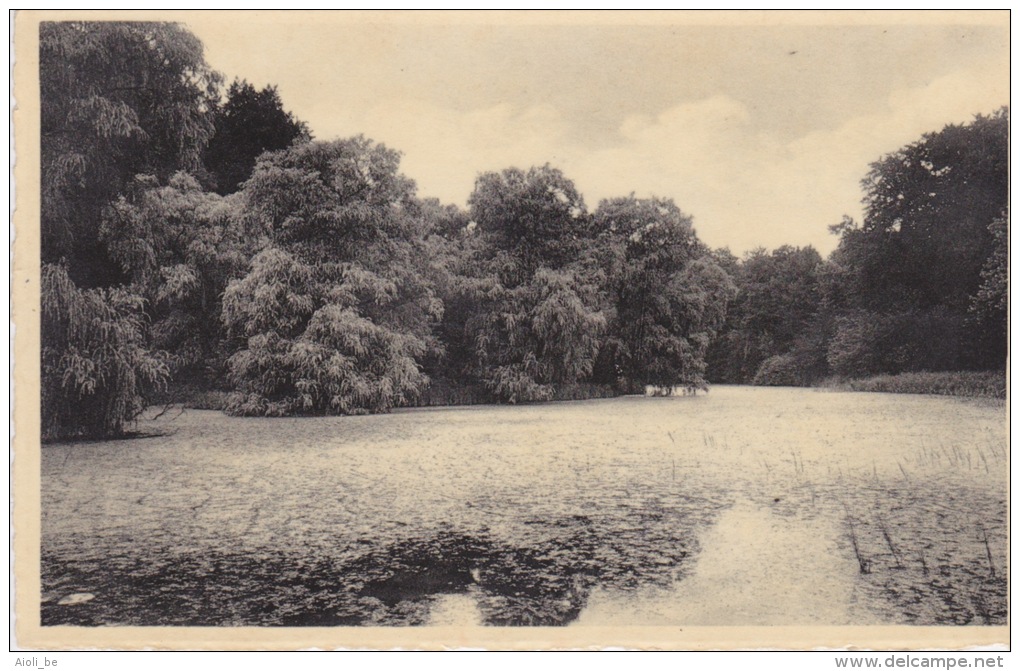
248 123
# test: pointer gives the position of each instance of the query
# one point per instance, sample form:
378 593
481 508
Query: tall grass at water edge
982 384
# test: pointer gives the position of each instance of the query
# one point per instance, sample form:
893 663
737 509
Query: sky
761 132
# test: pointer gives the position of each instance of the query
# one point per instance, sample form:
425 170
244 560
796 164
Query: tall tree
931 203
117 99
337 311
179 246
248 123
670 296
915 263
538 312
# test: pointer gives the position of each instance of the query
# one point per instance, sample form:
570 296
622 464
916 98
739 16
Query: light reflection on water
455 610
755 568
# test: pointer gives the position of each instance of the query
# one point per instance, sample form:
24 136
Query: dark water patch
513 585
543 583
195 590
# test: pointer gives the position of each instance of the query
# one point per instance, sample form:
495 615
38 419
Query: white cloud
444 149
744 187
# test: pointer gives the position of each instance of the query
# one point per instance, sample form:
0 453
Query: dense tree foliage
337 310
991 301
913 268
455 251
95 364
179 246
919 285
117 99
775 310
928 207
247 124
669 295
537 318
533 219
198 238
536 335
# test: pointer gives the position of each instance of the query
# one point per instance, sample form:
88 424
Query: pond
743 506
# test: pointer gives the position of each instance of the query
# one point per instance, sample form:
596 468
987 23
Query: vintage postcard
511 330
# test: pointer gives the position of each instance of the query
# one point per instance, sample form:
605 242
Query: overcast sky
762 134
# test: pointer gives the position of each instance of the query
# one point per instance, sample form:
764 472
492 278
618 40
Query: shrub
988 384
782 370
925 340
581 391
857 345
868 343
515 383
206 400
442 392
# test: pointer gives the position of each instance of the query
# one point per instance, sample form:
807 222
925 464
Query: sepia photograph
511 330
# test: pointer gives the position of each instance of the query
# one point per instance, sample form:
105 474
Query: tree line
197 237
921 284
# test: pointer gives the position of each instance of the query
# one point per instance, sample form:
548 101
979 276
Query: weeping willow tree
309 350
117 99
95 364
538 335
179 246
336 313
538 321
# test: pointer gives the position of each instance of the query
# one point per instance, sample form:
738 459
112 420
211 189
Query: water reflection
755 568
456 610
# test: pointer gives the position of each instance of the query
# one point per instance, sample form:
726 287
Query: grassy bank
983 384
